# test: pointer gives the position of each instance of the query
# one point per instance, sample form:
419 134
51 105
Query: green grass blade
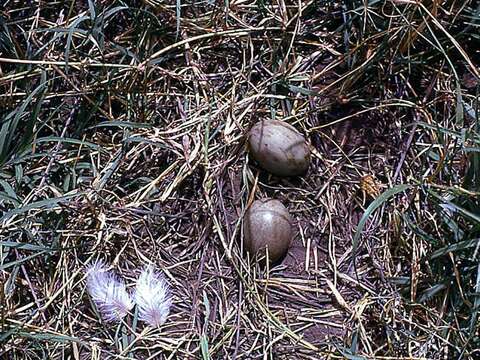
69 141
25 246
369 211
462 245
42 204
9 127
178 12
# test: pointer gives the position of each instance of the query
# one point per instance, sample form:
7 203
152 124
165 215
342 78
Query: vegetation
122 138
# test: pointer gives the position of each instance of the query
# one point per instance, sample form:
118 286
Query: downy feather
108 293
152 297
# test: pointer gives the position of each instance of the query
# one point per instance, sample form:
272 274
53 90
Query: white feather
152 296
108 292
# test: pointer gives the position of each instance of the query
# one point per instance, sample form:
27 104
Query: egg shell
268 224
279 148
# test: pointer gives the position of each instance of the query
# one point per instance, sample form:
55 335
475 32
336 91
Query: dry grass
122 138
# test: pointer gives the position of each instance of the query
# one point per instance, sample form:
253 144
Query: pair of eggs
280 149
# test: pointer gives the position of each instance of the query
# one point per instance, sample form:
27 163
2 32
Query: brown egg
267 225
279 148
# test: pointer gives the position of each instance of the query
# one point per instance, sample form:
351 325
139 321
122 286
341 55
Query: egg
279 148
267 225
